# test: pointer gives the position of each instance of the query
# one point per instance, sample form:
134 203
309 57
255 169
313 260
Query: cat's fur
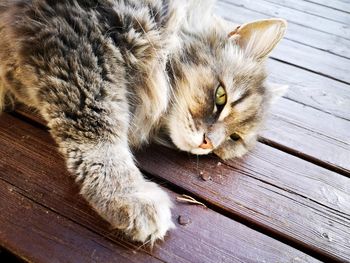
111 75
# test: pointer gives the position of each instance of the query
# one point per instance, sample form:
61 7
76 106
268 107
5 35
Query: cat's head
220 91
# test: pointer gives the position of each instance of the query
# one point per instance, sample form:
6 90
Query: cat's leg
96 150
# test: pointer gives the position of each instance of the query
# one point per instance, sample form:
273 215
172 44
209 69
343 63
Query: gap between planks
303 156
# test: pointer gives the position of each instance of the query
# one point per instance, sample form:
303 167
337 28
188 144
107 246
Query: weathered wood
301 202
295 32
317 61
311 89
340 5
310 133
292 50
315 9
297 17
30 115
38 234
36 194
288 198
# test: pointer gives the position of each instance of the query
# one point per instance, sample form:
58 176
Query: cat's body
85 53
109 75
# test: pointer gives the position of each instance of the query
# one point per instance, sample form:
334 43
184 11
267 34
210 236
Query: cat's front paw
144 215
152 216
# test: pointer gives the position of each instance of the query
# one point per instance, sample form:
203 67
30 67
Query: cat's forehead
209 62
222 55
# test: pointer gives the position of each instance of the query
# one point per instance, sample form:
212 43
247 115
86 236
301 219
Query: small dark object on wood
184 220
205 176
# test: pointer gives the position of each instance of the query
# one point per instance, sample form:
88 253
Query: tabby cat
111 75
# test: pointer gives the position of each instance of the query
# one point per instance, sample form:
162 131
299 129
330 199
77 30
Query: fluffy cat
111 75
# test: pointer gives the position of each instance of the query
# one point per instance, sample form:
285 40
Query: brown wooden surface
45 202
268 188
287 201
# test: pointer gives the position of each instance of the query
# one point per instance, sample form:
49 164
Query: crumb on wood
205 176
184 220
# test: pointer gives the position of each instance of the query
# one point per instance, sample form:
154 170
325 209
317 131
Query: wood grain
321 40
35 189
339 5
315 9
310 134
297 17
289 197
38 234
299 47
310 89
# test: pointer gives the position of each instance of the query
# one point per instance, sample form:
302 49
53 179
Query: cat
109 76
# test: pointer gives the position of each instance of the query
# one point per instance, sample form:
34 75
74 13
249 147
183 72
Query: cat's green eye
235 137
220 96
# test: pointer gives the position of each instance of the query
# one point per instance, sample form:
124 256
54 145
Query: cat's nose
206 144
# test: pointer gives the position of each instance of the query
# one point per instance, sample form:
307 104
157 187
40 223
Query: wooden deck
287 201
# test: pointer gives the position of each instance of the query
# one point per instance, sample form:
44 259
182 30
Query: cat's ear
258 38
275 91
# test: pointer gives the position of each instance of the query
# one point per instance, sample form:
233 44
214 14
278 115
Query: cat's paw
152 216
145 214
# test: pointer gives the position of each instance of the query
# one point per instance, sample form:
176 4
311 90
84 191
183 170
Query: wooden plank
340 5
312 90
46 186
37 234
297 17
303 203
295 32
309 132
271 201
317 61
315 9
293 51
